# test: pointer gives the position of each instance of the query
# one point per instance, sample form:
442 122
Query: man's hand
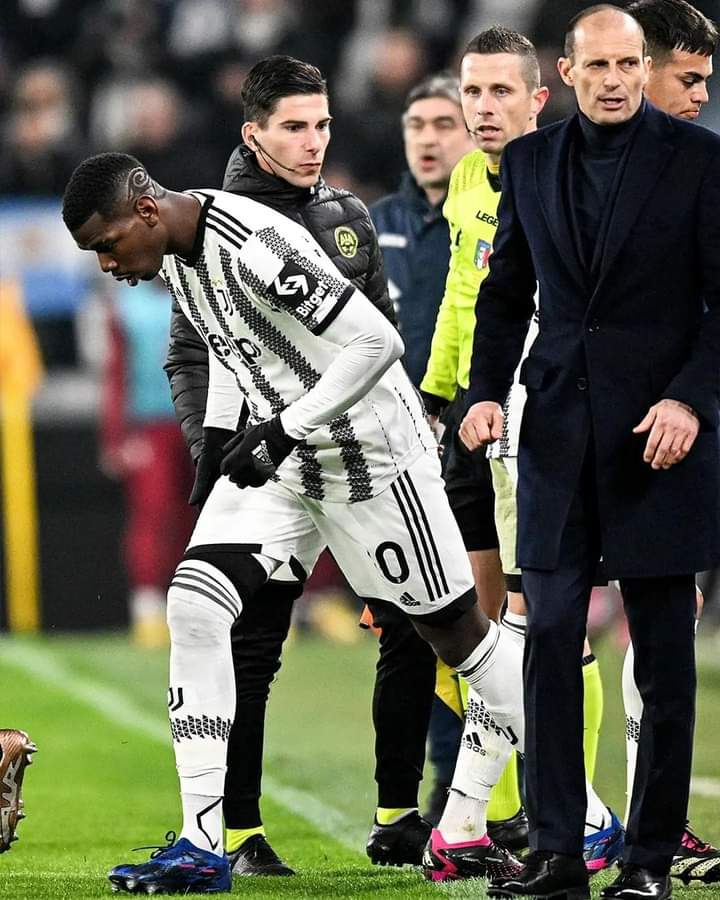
207 469
252 456
483 424
673 427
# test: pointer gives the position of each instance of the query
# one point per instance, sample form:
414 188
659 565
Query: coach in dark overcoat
619 451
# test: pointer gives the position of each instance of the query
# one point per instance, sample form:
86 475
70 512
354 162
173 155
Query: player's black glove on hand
252 456
207 469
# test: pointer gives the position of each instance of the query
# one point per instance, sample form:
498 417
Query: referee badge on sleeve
483 249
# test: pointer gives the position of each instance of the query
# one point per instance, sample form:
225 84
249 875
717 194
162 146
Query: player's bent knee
456 630
202 604
239 569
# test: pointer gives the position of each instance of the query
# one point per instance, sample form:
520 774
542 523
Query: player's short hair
276 77
100 184
569 45
499 39
442 84
674 25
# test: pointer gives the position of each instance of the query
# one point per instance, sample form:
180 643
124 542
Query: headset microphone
264 152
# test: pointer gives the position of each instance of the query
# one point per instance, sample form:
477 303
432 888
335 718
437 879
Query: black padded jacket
337 220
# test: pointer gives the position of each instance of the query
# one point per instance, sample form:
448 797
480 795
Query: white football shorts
402 546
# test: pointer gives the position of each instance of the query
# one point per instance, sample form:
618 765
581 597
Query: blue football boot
602 848
178 868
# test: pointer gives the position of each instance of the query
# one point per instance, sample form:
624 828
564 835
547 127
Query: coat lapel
650 153
551 166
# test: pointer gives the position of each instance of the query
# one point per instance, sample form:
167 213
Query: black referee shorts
468 484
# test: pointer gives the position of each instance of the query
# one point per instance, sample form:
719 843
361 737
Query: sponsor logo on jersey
483 249
297 288
346 240
243 348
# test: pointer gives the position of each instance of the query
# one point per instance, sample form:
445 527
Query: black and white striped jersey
269 304
509 443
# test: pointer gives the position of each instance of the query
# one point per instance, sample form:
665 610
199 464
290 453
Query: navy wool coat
646 327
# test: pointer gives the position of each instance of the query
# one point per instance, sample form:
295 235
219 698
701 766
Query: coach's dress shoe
637 883
545 874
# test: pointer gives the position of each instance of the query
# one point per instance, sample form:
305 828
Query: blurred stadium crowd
161 79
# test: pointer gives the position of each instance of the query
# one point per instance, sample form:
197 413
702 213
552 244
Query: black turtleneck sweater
598 159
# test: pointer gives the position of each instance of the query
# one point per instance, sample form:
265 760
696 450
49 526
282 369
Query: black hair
674 25
101 183
584 14
442 84
276 77
499 39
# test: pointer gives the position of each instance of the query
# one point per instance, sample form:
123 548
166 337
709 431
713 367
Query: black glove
207 469
252 456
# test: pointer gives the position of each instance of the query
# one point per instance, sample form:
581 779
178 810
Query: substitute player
336 453
279 163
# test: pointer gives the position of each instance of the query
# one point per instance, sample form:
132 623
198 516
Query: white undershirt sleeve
370 345
225 399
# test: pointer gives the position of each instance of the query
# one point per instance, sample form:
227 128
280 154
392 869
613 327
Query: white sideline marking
705 787
117 707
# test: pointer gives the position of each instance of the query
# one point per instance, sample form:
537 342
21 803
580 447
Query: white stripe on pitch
705 787
119 709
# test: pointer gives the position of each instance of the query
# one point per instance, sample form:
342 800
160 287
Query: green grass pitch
104 781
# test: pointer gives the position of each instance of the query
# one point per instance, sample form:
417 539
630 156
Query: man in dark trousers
614 213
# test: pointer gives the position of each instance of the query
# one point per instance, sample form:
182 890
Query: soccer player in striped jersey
336 452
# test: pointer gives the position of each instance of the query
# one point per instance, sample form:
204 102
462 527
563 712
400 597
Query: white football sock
633 704
202 606
494 671
203 822
494 726
515 626
482 756
597 815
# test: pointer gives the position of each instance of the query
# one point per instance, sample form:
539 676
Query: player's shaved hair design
102 183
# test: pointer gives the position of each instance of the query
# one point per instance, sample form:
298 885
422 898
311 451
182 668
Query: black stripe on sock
473 669
196 590
206 579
